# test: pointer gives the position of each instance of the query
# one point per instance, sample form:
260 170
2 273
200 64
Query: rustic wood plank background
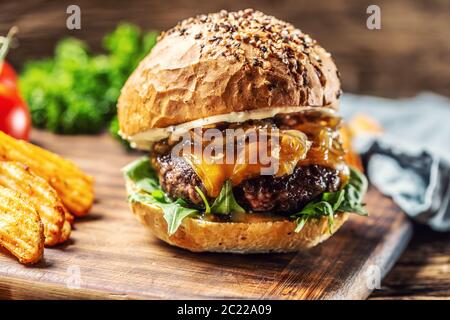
409 54
116 257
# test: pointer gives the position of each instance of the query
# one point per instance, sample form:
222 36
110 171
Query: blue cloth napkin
411 161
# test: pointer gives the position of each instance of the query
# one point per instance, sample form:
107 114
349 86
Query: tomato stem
5 43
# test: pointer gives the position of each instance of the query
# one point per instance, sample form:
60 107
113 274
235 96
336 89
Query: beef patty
178 179
288 193
285 194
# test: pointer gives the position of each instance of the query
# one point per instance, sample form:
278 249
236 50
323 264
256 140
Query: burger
216 93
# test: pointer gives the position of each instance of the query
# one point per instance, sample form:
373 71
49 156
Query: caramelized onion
304 138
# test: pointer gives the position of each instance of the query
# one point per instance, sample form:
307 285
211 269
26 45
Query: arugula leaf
354 193
159 195
174 212
142 175
225 203
149 192
349 199
359 181
335 198
205 201
301 221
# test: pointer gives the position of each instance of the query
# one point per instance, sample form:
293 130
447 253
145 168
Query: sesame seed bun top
223 63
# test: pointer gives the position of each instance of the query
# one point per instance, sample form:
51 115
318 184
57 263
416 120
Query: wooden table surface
422 272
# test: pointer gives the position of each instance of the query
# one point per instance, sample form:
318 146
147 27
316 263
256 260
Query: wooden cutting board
112 256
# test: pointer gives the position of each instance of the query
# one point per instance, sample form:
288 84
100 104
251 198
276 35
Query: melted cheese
214 171
144 140
308 141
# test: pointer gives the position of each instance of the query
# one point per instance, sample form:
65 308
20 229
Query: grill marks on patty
285 194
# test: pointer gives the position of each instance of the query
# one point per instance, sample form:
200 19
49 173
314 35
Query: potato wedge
70 218
65 232
74 187
21 229
41 195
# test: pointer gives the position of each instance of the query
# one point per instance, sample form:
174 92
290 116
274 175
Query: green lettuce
225 203
204 199
174 212
349 199
149 192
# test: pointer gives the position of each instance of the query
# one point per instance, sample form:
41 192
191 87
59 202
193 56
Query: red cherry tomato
8 76
14 116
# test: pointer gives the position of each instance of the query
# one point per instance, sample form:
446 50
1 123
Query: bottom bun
237 237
